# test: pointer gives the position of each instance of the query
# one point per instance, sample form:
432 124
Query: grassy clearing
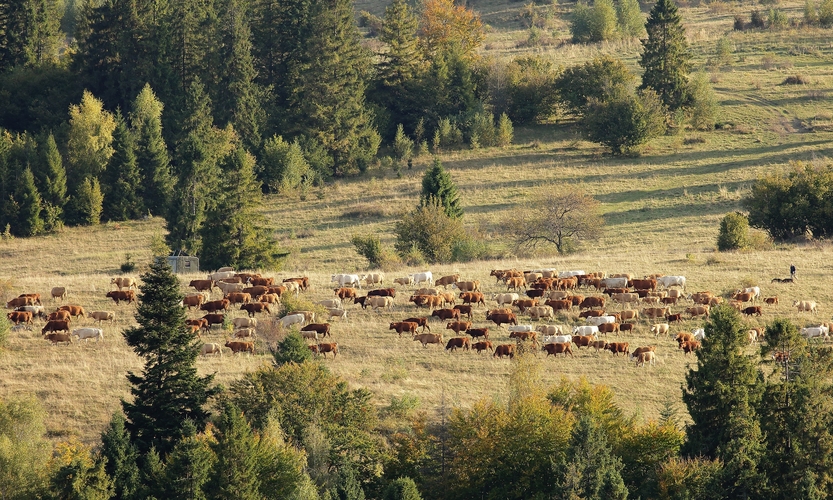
662 212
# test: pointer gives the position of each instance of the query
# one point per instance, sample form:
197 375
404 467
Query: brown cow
446 314
214 319
504 350
239 346
558 348
582 340
467 310
261 281
592 313
535 293
404 326
655 312
478 332
190 301
626 327
277 290
270 298
256 307
323 349
34 296
671 318
313 348
598 345
345 293
644 284
669 300
744 297
690 346
752 310
119 296
559 305
454 343
57 338
199 323
617 347
60 315
515 283
215 305
382 292
472 298
500 318
322 329
609 328
303 282
447 280
20 301
484 345
522 336
239 298
697 311
18 317
202 285
591 302
74 311
639 350
256 291
524 304
773 301
55 326
683 337
458 326
423 322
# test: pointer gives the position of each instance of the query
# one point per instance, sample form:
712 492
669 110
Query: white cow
805 305
754 290
816 331
699 334
244 322
337 313
425 277
550 330
224 275
330 303
615 282
669 281
347 279
570 274
520 328
659 328
557 339
291 319
86 334
586 330
373 278
505 298
211 348
601 320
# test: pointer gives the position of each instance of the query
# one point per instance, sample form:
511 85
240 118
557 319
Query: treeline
760 429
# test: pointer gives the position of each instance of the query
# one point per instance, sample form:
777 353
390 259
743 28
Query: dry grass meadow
662 212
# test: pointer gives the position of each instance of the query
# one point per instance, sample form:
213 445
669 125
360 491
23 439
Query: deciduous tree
151 152
90 138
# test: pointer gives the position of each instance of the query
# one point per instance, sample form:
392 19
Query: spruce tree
188 469
437 187
722 397
234 233
403 59
590 469
168 392
236 473
53 172
29 222
121 459
292 349
151 152
122 180
665 57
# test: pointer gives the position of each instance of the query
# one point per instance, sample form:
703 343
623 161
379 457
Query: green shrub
734 232
128 266
594 24
403 147
431 231
593 79
625 120
292 349
370 247
703 108
469 249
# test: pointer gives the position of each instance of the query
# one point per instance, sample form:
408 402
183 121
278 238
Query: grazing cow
310 335
454 343
669 281
559 304
448 280
754 290
743 296
322 329
805 305
330 303
360 301
74 311
549 330
404 326
425 277
379 302
103 316
538 312
239 346
464 309
261 281
524 304
617 347
195 300
697 311
337 313
426 291
468 286
446 314
582 340
673 318
59 292
228 288
313 348
639 350
609 328
346 293
655 312
592 302
484 345
202 285
689 346
515 283
256 307
408 280
244 323
214 319
592 313
55 326
423 322
505 298
302 282
215 305
60 315
272 298
57 338
600 320
683 337
816 331
291 319
478 332
122 296
429 338
646 357
199 323
211 348
122 283
614 282
504 350
18 317
458 326
524 335
559 347
239 298
773 301
472 298
256 291
86 334
586 330
19 302
428 301
244 333
752 310
501 318
381 292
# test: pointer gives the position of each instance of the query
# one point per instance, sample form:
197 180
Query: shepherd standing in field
792 272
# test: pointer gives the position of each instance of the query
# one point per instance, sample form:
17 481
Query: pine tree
403 60
234 233
437 187
29 32
188 469
239 98
168 392
236 473
505 133
122 180
665 57
590 469
281 466
29 222
722 397
151 152
121 459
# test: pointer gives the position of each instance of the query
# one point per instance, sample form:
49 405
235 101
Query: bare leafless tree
560 215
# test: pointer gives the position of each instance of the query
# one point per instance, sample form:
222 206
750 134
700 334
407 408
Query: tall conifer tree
437 187
121 459
122 179
236 474
188 467
29 222
151 152
54 176
168 392
665 57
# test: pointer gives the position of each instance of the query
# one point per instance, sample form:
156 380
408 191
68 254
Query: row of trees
294 430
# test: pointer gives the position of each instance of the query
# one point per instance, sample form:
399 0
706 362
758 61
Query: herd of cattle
605 304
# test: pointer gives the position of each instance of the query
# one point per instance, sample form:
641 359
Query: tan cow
59 292
697 311
103 316
659 329
122 283
429 338
805 306
211 348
